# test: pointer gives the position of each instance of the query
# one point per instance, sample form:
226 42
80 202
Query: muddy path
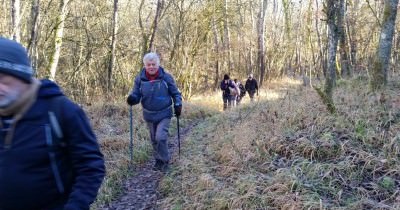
140 190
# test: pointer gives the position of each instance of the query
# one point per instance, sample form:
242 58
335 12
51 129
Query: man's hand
130 100
178 110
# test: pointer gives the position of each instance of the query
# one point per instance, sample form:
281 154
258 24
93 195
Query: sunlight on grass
285 151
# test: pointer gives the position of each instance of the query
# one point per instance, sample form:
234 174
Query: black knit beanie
226 77
14 60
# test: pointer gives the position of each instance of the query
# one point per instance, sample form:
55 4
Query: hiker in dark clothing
157 91
251 87
49 155
229 92
242 91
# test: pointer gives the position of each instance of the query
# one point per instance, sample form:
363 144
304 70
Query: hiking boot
164 167
157 166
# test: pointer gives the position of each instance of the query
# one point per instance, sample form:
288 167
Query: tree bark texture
58 39
32 43
227 38
343 44
16 20
114 26
382 57
216 51
332 20
260 41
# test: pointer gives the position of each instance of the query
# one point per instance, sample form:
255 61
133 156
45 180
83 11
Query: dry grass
286 152
111 123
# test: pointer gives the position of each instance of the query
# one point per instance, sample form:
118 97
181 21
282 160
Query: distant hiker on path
156 90
251 87
242 91
49 155
229 92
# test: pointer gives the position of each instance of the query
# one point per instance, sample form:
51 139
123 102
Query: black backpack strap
55 105
55 138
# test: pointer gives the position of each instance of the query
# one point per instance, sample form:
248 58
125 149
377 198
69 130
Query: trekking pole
131 134
179 137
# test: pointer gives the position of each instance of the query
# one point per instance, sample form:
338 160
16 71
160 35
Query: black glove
178 110
130 100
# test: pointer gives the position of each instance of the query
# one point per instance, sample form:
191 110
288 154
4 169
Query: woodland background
293 154
94 48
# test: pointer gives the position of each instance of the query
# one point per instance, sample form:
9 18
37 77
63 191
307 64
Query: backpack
232 91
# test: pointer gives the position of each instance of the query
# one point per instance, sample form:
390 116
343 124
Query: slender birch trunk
16 19
58 38
112 46
32 43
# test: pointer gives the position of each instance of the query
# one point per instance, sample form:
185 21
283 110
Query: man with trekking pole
156 90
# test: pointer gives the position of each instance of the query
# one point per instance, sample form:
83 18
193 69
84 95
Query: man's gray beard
7 101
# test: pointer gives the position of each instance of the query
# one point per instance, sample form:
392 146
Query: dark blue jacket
34 175
251 85
225 87
156 96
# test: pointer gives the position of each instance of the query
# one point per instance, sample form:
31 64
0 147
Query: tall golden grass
285 151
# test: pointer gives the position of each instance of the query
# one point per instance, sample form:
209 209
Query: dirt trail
141 189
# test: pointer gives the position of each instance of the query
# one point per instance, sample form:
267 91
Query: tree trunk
16 20
396 55
260 40
216 52
227 38
32 43
343 48
321 56
160 5
148 37
58 38
112 46
251 65
332 21
382 57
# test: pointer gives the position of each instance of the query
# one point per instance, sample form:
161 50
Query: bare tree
58 38
382 57
260 39
332 14
114 26
351 25
227 38
32 43
16 19
343 48
216 51
148 38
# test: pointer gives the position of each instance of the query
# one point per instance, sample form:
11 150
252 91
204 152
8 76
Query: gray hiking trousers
159 139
